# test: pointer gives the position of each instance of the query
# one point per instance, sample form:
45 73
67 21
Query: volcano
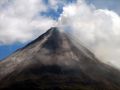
54 62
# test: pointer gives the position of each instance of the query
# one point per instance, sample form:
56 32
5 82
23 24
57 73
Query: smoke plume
98 29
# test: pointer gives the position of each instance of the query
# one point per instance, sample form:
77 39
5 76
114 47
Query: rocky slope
53 62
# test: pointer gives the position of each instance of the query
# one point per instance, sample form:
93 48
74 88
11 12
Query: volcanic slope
53 62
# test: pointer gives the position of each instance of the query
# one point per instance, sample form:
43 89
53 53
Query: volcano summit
53 62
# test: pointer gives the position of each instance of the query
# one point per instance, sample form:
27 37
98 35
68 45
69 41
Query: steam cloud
98 29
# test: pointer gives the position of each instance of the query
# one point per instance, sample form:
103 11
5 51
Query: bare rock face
53 62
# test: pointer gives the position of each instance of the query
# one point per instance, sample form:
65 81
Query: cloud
98 29
20 20
109 4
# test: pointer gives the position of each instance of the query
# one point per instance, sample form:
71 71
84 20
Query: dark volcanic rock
53 62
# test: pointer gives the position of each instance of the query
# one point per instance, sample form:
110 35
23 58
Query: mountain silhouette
54 62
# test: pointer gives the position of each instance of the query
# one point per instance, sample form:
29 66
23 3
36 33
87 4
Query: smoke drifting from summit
98 29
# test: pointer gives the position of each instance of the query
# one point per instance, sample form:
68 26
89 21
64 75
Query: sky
94 23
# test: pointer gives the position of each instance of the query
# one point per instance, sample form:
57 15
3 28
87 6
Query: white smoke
98 29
